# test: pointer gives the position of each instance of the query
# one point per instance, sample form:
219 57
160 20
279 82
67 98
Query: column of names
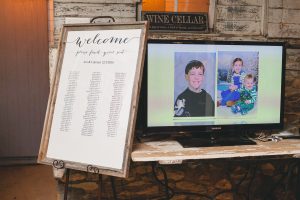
116 104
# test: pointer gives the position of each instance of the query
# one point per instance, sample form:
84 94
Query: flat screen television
212 87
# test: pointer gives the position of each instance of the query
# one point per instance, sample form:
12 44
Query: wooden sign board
176 21
91 114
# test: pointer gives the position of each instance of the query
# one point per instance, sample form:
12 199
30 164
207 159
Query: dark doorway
24 77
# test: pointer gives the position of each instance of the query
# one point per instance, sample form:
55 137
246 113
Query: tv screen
204 86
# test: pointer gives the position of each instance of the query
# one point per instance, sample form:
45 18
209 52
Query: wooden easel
59 171
59 166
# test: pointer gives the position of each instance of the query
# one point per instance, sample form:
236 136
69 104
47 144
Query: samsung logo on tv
216 128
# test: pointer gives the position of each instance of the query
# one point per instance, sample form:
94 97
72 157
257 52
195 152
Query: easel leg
100 187
112 181
67 184
298 181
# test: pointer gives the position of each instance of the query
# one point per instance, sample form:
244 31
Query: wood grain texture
213 36
52 63
275 3
290 4
239 27
59 21
239 2
171 150
239 13
264 17
292 91
211 14
238 19
293 59
92 10
281 30
284 16
123 11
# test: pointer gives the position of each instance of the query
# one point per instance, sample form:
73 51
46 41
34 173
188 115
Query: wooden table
171 152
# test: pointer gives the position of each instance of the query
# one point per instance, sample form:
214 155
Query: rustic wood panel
277 30
284 16
275 3
238 13
275 15
292 97
59 21
122 10
293 80
239 27
52 63
290 4
239 2
214 36
171 150
293 60
92 10
264 17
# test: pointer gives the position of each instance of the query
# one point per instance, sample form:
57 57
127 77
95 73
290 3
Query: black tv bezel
143 128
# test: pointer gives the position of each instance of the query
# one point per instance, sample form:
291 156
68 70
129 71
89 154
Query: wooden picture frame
90 119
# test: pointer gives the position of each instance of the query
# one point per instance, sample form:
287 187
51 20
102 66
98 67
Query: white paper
94 96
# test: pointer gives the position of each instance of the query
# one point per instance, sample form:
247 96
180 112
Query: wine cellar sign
174 21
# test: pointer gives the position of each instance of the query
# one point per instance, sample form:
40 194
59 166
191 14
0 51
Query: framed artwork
91 113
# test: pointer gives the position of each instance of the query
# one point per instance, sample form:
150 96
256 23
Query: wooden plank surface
171 150
283 19
239 2
280 30
239 27
293 59
291 4
59 21
239 13
123 11
284 16
275 3
92 10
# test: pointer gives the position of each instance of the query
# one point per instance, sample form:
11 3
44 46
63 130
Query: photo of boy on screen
194 101
247 95
233 68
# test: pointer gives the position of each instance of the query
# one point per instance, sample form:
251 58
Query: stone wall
259 20
205 180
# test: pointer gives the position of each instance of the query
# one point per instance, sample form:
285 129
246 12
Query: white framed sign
92 106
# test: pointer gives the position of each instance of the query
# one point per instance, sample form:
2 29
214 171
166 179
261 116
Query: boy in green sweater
248 96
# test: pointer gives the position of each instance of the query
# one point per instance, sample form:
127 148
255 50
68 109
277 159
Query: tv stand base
214 141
